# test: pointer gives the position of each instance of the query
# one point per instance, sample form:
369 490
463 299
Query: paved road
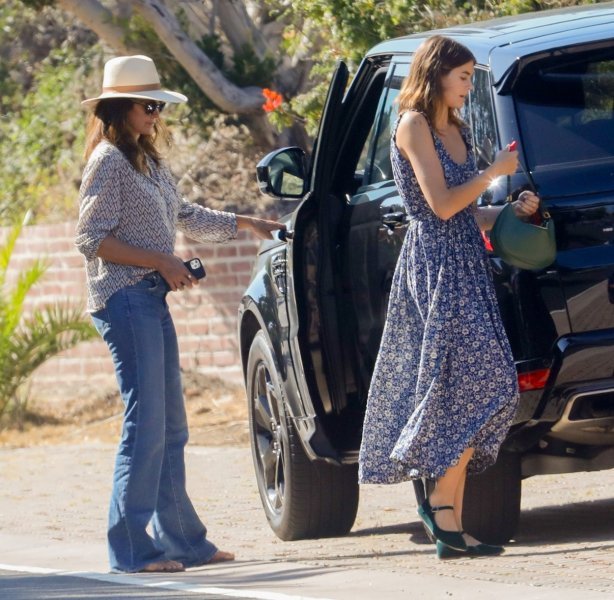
32 586
53 504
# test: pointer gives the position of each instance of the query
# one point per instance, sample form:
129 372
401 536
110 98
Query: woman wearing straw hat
130 209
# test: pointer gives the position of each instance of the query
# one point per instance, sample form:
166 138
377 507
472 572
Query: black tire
491 507
301 498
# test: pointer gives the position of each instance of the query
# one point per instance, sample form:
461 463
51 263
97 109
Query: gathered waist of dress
427 216
427 221
461 227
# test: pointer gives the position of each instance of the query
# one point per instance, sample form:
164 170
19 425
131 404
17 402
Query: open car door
329 211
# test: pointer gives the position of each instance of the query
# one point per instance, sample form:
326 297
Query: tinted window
480 114
566 108
375 157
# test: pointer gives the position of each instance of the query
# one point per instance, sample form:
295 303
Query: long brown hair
109 121
422 90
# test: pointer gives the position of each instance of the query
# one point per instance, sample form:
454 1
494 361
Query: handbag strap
543 211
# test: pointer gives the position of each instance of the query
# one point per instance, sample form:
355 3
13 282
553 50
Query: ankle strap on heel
438 508
453 539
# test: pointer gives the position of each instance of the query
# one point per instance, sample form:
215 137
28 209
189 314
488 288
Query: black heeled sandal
452 539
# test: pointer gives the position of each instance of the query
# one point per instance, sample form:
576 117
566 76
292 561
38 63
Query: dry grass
217 415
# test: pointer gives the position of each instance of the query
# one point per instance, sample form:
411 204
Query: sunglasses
151 107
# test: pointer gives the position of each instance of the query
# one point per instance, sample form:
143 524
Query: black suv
311 319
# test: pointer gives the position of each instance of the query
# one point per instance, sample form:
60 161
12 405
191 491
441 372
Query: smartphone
196 267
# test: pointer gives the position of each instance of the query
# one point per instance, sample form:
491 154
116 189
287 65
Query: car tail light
487 243
533 380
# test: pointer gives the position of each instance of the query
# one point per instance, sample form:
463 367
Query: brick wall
205 317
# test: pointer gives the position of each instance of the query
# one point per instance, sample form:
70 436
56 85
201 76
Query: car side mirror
282 173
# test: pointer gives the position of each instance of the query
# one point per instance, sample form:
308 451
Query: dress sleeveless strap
393 133
467 137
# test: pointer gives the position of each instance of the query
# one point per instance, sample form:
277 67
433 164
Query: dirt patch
216 409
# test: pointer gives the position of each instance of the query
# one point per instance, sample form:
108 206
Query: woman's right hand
506 162
175 272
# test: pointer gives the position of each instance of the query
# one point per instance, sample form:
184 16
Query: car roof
499 43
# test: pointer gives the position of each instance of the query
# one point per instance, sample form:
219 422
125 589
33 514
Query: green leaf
26 342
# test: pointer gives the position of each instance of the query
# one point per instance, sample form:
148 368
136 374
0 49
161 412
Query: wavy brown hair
109 121
422 89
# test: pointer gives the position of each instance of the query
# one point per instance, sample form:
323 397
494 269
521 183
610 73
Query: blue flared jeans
149 487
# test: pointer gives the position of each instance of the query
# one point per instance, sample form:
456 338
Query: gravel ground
565 540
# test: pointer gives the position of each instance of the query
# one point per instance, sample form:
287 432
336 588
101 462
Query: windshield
565 106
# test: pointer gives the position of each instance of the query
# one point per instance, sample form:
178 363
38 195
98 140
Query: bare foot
163 566
221 556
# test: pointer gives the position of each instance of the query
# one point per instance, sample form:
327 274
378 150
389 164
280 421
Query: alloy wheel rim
268 438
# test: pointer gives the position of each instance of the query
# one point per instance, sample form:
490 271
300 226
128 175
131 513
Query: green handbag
523 244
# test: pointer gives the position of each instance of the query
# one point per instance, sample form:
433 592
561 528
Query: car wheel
301 498
491 507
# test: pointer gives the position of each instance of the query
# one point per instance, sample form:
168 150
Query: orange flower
273 100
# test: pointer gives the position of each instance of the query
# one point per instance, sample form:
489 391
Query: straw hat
133 77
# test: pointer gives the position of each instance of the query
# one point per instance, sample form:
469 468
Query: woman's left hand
526 205
262 228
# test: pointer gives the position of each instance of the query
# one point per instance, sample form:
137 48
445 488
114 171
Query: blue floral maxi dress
444 379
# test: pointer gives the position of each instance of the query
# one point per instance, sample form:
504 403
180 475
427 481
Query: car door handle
285 234
394 219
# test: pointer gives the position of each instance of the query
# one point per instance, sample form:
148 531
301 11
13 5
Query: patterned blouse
141 210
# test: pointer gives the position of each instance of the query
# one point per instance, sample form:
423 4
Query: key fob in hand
196 267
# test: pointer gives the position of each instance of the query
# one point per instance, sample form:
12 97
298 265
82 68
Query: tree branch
100 20
239 27
207 76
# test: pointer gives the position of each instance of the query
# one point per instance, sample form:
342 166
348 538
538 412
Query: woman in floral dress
444 388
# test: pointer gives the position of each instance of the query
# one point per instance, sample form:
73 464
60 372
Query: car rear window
565 106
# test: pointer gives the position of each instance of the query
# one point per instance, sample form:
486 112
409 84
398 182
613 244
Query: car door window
375 157
480 114
369 248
